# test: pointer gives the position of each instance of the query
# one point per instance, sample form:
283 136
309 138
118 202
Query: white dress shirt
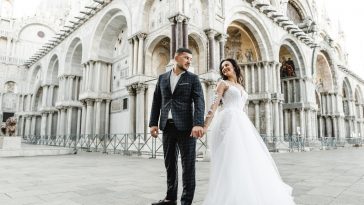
173 82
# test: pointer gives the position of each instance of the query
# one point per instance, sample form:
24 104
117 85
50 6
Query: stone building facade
97 76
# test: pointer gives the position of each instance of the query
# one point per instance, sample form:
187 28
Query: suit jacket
186 103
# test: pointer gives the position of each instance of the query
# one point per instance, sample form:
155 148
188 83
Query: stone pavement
318 177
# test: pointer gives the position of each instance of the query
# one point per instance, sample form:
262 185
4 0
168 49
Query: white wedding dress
242 169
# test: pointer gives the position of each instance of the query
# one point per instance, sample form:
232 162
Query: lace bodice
231 97
234 97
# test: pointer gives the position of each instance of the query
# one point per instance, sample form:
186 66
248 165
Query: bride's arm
220 89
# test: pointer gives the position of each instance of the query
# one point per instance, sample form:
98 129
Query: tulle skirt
242 169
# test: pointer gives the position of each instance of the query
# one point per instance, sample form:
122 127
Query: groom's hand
197 131
154 131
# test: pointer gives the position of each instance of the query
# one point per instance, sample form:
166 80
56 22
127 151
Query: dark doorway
6 115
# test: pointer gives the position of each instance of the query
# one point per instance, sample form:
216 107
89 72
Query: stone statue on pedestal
8 127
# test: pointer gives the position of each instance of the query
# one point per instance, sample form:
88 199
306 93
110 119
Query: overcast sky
350 13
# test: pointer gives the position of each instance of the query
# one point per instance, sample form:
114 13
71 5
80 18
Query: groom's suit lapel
168 76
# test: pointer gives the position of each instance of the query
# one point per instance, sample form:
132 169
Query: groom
178 104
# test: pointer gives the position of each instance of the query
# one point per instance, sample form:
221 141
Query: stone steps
35 150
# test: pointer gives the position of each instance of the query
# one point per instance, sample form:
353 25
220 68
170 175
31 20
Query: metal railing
145 145
126 144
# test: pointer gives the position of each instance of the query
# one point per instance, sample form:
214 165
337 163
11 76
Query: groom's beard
182 68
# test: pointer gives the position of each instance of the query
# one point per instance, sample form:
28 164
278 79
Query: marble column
308 128
278 76
89 116
266 77
107 117
140 103
79 122
69 121
62 127
83 123
185 32
50 121
98 116
329 126
273 76
43 129
302 125
22 124
90 79
321 121
173 37
141 37
211 36
131 56
251 66
50 99
222 40
179 34
335 134
33 126
59 123
256 106
281 133
132 112
246 74
276 118
286 121
28 125
268 117
294 131
259 77
45 95
135 62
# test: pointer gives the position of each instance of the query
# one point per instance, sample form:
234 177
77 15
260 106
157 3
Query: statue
249 55
308 25
8 127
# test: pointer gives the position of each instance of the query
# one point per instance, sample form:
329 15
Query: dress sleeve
219 92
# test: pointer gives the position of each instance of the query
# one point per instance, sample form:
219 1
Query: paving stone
317 177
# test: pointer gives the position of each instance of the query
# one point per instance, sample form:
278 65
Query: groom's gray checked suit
187 106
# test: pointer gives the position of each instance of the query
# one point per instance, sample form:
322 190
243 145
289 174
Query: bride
242 169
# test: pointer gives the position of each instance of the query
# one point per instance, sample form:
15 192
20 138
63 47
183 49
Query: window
7 115
41 34
125 103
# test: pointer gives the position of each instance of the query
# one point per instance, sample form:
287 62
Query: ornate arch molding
346 84
249 18
296 51
299 8
51 77
109 15
329 55
150 44
70 54
358 93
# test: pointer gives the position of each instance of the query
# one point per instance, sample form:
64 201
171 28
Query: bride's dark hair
237 70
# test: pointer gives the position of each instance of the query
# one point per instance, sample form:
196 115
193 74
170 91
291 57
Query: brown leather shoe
164 202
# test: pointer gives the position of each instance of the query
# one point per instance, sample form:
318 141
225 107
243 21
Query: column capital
98 100
222 37
140 87
180 18
89 102
256 102
141 36
210 82
211 33
131 90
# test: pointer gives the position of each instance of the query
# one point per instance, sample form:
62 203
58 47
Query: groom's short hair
183 50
